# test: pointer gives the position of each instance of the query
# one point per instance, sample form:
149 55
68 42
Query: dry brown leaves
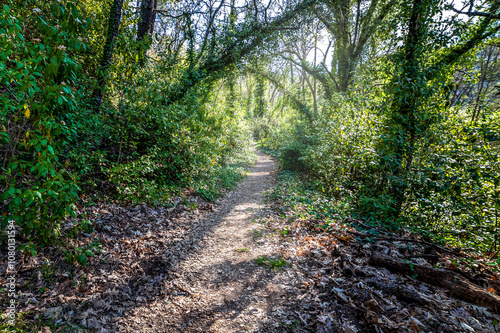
340 291
139 244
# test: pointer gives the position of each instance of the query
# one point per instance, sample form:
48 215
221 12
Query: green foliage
25 323
220 179
81 254
271 262
260 97
48 271
159 149
454 191
292 157
244 249
40 72
54 147
302 199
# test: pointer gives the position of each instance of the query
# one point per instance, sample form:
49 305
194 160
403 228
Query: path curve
218 286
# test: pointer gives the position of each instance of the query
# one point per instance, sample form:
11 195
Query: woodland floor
219 286
234 266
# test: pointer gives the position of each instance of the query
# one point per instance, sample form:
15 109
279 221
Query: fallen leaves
367 298
138 244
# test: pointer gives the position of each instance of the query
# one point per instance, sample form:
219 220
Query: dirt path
217 286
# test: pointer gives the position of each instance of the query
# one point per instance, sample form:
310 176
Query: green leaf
82 259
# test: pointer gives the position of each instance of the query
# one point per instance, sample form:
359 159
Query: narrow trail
217 286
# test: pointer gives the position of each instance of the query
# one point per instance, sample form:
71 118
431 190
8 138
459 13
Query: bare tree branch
476 14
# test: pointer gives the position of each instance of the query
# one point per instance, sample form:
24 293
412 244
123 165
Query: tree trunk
404 108
145 27
107 56
344 69
315 102
342 12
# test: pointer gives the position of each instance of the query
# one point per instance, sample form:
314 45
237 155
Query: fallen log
401 292
454 282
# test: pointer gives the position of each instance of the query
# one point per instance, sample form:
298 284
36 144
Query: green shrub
292 157
39 70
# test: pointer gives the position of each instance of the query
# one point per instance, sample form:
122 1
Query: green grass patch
241 250
271 262
221 179
269 151
257 234
300 199
24 325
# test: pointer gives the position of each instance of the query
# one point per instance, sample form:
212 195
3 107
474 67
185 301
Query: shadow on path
199 283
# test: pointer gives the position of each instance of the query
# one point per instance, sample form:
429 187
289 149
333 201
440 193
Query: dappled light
207 283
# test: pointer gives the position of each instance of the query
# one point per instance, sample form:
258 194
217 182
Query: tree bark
107 56
145 27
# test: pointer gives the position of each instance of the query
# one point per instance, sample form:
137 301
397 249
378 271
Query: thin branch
331 76
11 92
475 14
166 13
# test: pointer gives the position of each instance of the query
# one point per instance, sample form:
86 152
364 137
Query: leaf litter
340 291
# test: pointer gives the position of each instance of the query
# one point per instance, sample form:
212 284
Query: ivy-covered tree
145 27
416 79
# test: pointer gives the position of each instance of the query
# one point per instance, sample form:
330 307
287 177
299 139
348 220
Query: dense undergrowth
300 199
59 151
453 191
